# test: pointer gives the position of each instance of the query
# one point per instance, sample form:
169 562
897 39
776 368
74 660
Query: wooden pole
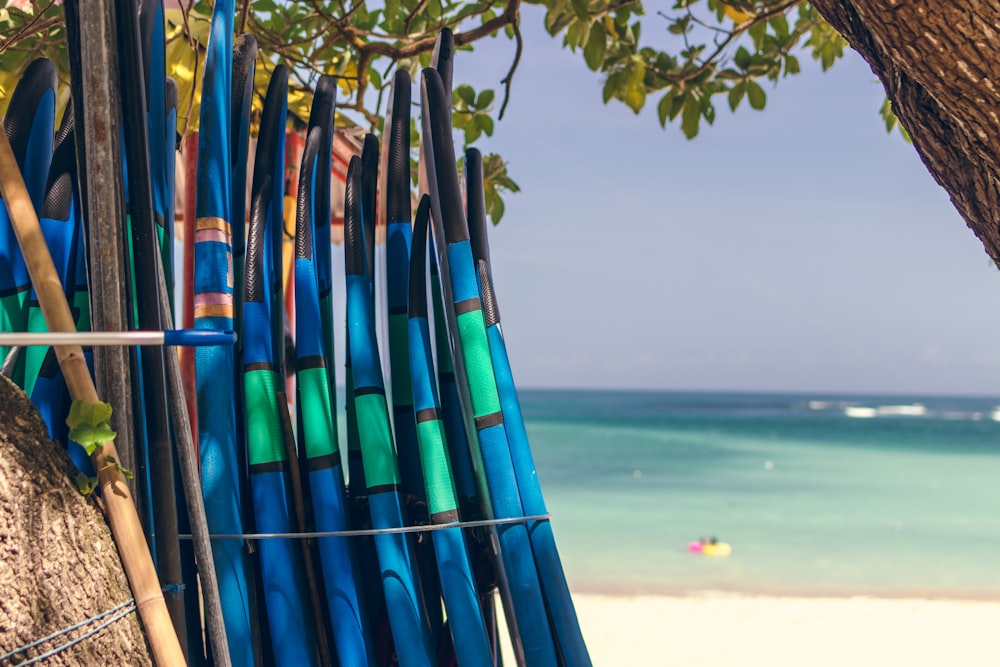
91 38
118 502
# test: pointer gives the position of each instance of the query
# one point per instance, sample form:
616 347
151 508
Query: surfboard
570 641
291 628
532 639
458 584
213 309
317 419
407 618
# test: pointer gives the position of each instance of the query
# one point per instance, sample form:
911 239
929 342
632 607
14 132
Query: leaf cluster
89 424
683 57
706 48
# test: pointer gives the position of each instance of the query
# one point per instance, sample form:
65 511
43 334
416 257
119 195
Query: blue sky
798 248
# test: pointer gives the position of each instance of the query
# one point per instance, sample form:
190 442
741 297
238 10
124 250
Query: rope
378 531
119 612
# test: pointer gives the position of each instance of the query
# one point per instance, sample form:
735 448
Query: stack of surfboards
391 546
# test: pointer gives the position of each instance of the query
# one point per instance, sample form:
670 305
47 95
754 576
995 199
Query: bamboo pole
118 502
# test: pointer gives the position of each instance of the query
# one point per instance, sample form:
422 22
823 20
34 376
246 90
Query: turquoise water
817 494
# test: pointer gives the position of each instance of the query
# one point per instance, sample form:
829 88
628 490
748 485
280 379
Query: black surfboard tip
270 124
368 192
262 186
244 51
244 63
62 173
417 305
39 77
68 123
149 10
324 103
397 177
443 57
254 268
369 162
475 198
354 234
445 191
305 196
244 66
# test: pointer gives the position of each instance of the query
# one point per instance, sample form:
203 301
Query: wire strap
110 616
378 531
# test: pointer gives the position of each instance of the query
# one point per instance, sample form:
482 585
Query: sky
801 248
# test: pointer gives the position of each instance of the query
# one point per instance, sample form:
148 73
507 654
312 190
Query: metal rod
178 338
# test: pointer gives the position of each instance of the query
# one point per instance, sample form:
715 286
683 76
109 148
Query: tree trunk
940 65
58 562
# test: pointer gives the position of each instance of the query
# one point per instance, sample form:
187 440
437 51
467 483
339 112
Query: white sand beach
722 630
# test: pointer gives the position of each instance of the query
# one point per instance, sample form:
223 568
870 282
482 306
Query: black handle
446 196
418 260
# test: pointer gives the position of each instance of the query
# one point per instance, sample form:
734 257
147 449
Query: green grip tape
437 473
478 363
317 416
264 438
377 452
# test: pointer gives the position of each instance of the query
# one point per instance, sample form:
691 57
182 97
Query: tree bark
58 562
940 65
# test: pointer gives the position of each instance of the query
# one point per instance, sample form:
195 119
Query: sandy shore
724 629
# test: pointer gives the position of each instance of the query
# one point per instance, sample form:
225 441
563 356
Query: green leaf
596 48
485 99
485 123
88 424
581 11
495 208
88 413
556 21
736 95
577 34
466 94
472 132
756 95
680 25
85 484
792 65
635 98
613 85
780 26
391 8
110 460
677 105
757 32
742 58
690 117
663 108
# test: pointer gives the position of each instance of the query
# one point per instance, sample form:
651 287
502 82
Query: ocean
817 494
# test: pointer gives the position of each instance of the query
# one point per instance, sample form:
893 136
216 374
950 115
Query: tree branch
33 27
506 81
737 30
244 15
